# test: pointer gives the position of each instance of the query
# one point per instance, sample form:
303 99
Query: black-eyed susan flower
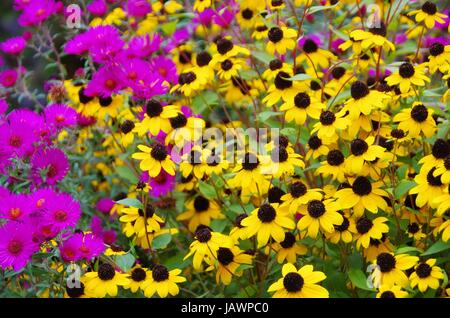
319 216
275 66
187 183
374 37
439 154
200 211
247 16
239 232
162 281
334 166
156 118
227 262
225 50
378 246
105 281
126 128
426 275
363 195
299 195
415 231
268 221
300 107
300 283
439 58
260 32
442 203
390 268
189 82
154 159
203 69
288 249
364 100
428 14
214 162
314 56
367 229
328 124
192 163
394 291
429 187
342 232
249 174
408 76
282 88
206 245
229 68
280 40
316 147
362 151
137 276
185 129
143 220
283 162
416 120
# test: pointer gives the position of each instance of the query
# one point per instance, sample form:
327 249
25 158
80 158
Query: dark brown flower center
406 70
160 273
397 133
419 113
363 225
344 225
293 282
225 256
159 152
224 46
432 180
201 204
289 240
275 34
335 158
361 186
186 78
247 14
302 100
203 58
275 194
429 8
386 262
423 270
275 64
327 118
314 142
203 233
106 271
281 81
266 213
179 121
279 154
358 147
298 189
250 161
154 108
316 208
436 49
359 90
310 46
338 72
138 274
441 149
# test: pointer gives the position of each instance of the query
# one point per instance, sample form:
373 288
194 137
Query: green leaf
161 241
169 28
358 278
219 225
263 56
207 190
403 187
436 248
407 249
300 77
125 262
266 115
126 173
131 202
315 9
289 131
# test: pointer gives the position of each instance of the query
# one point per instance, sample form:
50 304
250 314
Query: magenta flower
104 205
16 140
104 43
162 184
16 245
15 207
78 45
89 246
224 17
108 236
49 166
8 78
60 115
3 106
69 249
62 212
13 46
166 68
137 8
106 81
36 12
97 7
143 46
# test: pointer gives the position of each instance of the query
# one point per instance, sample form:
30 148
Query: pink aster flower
165 67
108 236
3 106
16 245
8 78
104 43
162 184
105 205
60 115
138 8
97 7
62 212
36 12
224 17
78 45
13 46
106 81
49 166
89 246
143 46
16 140
15 207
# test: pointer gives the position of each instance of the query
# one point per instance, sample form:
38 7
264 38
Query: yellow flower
156 118
314 56
342 232
428 187
200 211
280 40
328 124
426 275
367 229
361 196
137 276
143 220
154 159
428 14
268 221
302 105
408 76
319 215
375 37
189 82
105 281
228 262
389 268
288 249
299 195
395 291
201 5
362 151
439 58
334 166
300 283
162 282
